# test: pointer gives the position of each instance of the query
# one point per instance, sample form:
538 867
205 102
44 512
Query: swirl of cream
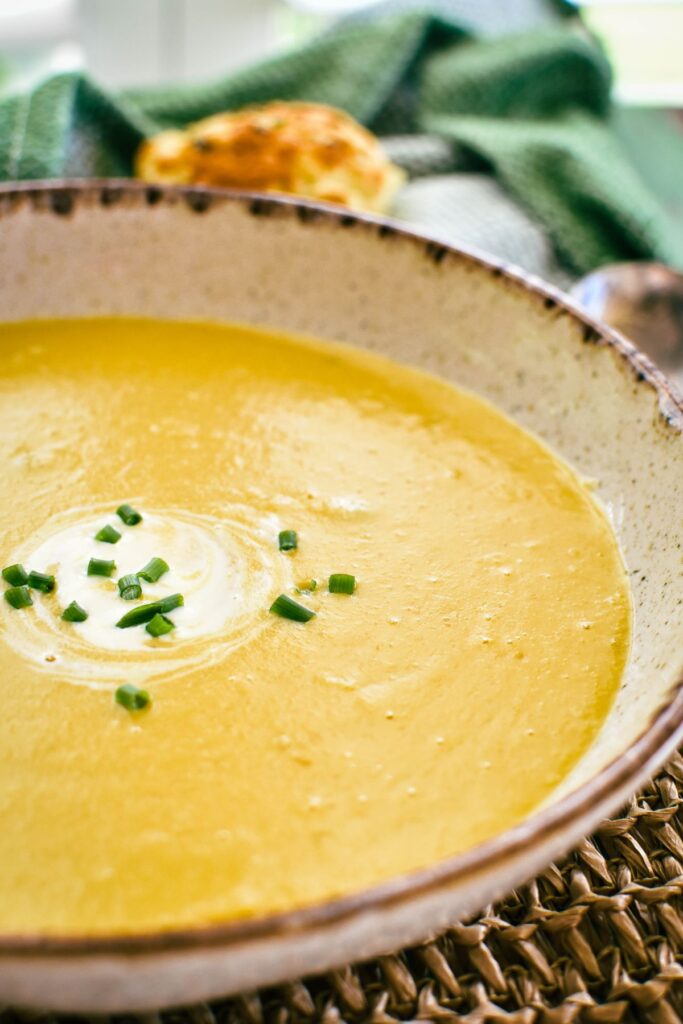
228 569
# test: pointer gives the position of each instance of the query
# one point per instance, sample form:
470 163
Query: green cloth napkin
530 109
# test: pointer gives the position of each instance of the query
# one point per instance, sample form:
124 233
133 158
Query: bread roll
303 149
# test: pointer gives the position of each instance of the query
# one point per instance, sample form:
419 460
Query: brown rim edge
651 747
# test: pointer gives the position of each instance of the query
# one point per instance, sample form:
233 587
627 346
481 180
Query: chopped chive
128 514
74 613
129 587
307 587
15 575
41 581
144 612
288 608
287 540
18 597
154 570
159 625
131 698
100 567
108 535
342 583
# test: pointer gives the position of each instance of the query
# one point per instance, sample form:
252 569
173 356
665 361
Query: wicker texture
596 939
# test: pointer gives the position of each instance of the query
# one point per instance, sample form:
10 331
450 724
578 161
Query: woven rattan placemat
596 939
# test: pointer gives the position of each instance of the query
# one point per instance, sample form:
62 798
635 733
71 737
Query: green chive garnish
342 583
128 514
144 612
100 567
287 540
288 608
74 613
307 587
15 575
159 625
154 570
18 597
131 698
129 587
108 535
41 581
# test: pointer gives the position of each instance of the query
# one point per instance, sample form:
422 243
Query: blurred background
189 40
123 44
186 40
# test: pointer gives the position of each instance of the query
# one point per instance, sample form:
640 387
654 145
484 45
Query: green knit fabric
531 109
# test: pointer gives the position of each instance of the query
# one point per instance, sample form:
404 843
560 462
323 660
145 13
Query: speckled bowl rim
660 736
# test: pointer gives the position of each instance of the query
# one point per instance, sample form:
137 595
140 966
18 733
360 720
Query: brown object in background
644 301
303 149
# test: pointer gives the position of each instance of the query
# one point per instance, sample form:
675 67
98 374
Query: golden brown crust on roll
304 149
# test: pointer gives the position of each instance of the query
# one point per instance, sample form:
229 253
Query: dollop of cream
228 569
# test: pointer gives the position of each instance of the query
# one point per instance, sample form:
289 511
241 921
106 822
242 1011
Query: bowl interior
126 250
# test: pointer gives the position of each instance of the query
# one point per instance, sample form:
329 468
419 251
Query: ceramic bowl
121 248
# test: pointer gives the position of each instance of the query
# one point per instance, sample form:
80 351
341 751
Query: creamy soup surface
279 763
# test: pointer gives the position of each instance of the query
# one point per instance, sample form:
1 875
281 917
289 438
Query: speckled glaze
120 248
